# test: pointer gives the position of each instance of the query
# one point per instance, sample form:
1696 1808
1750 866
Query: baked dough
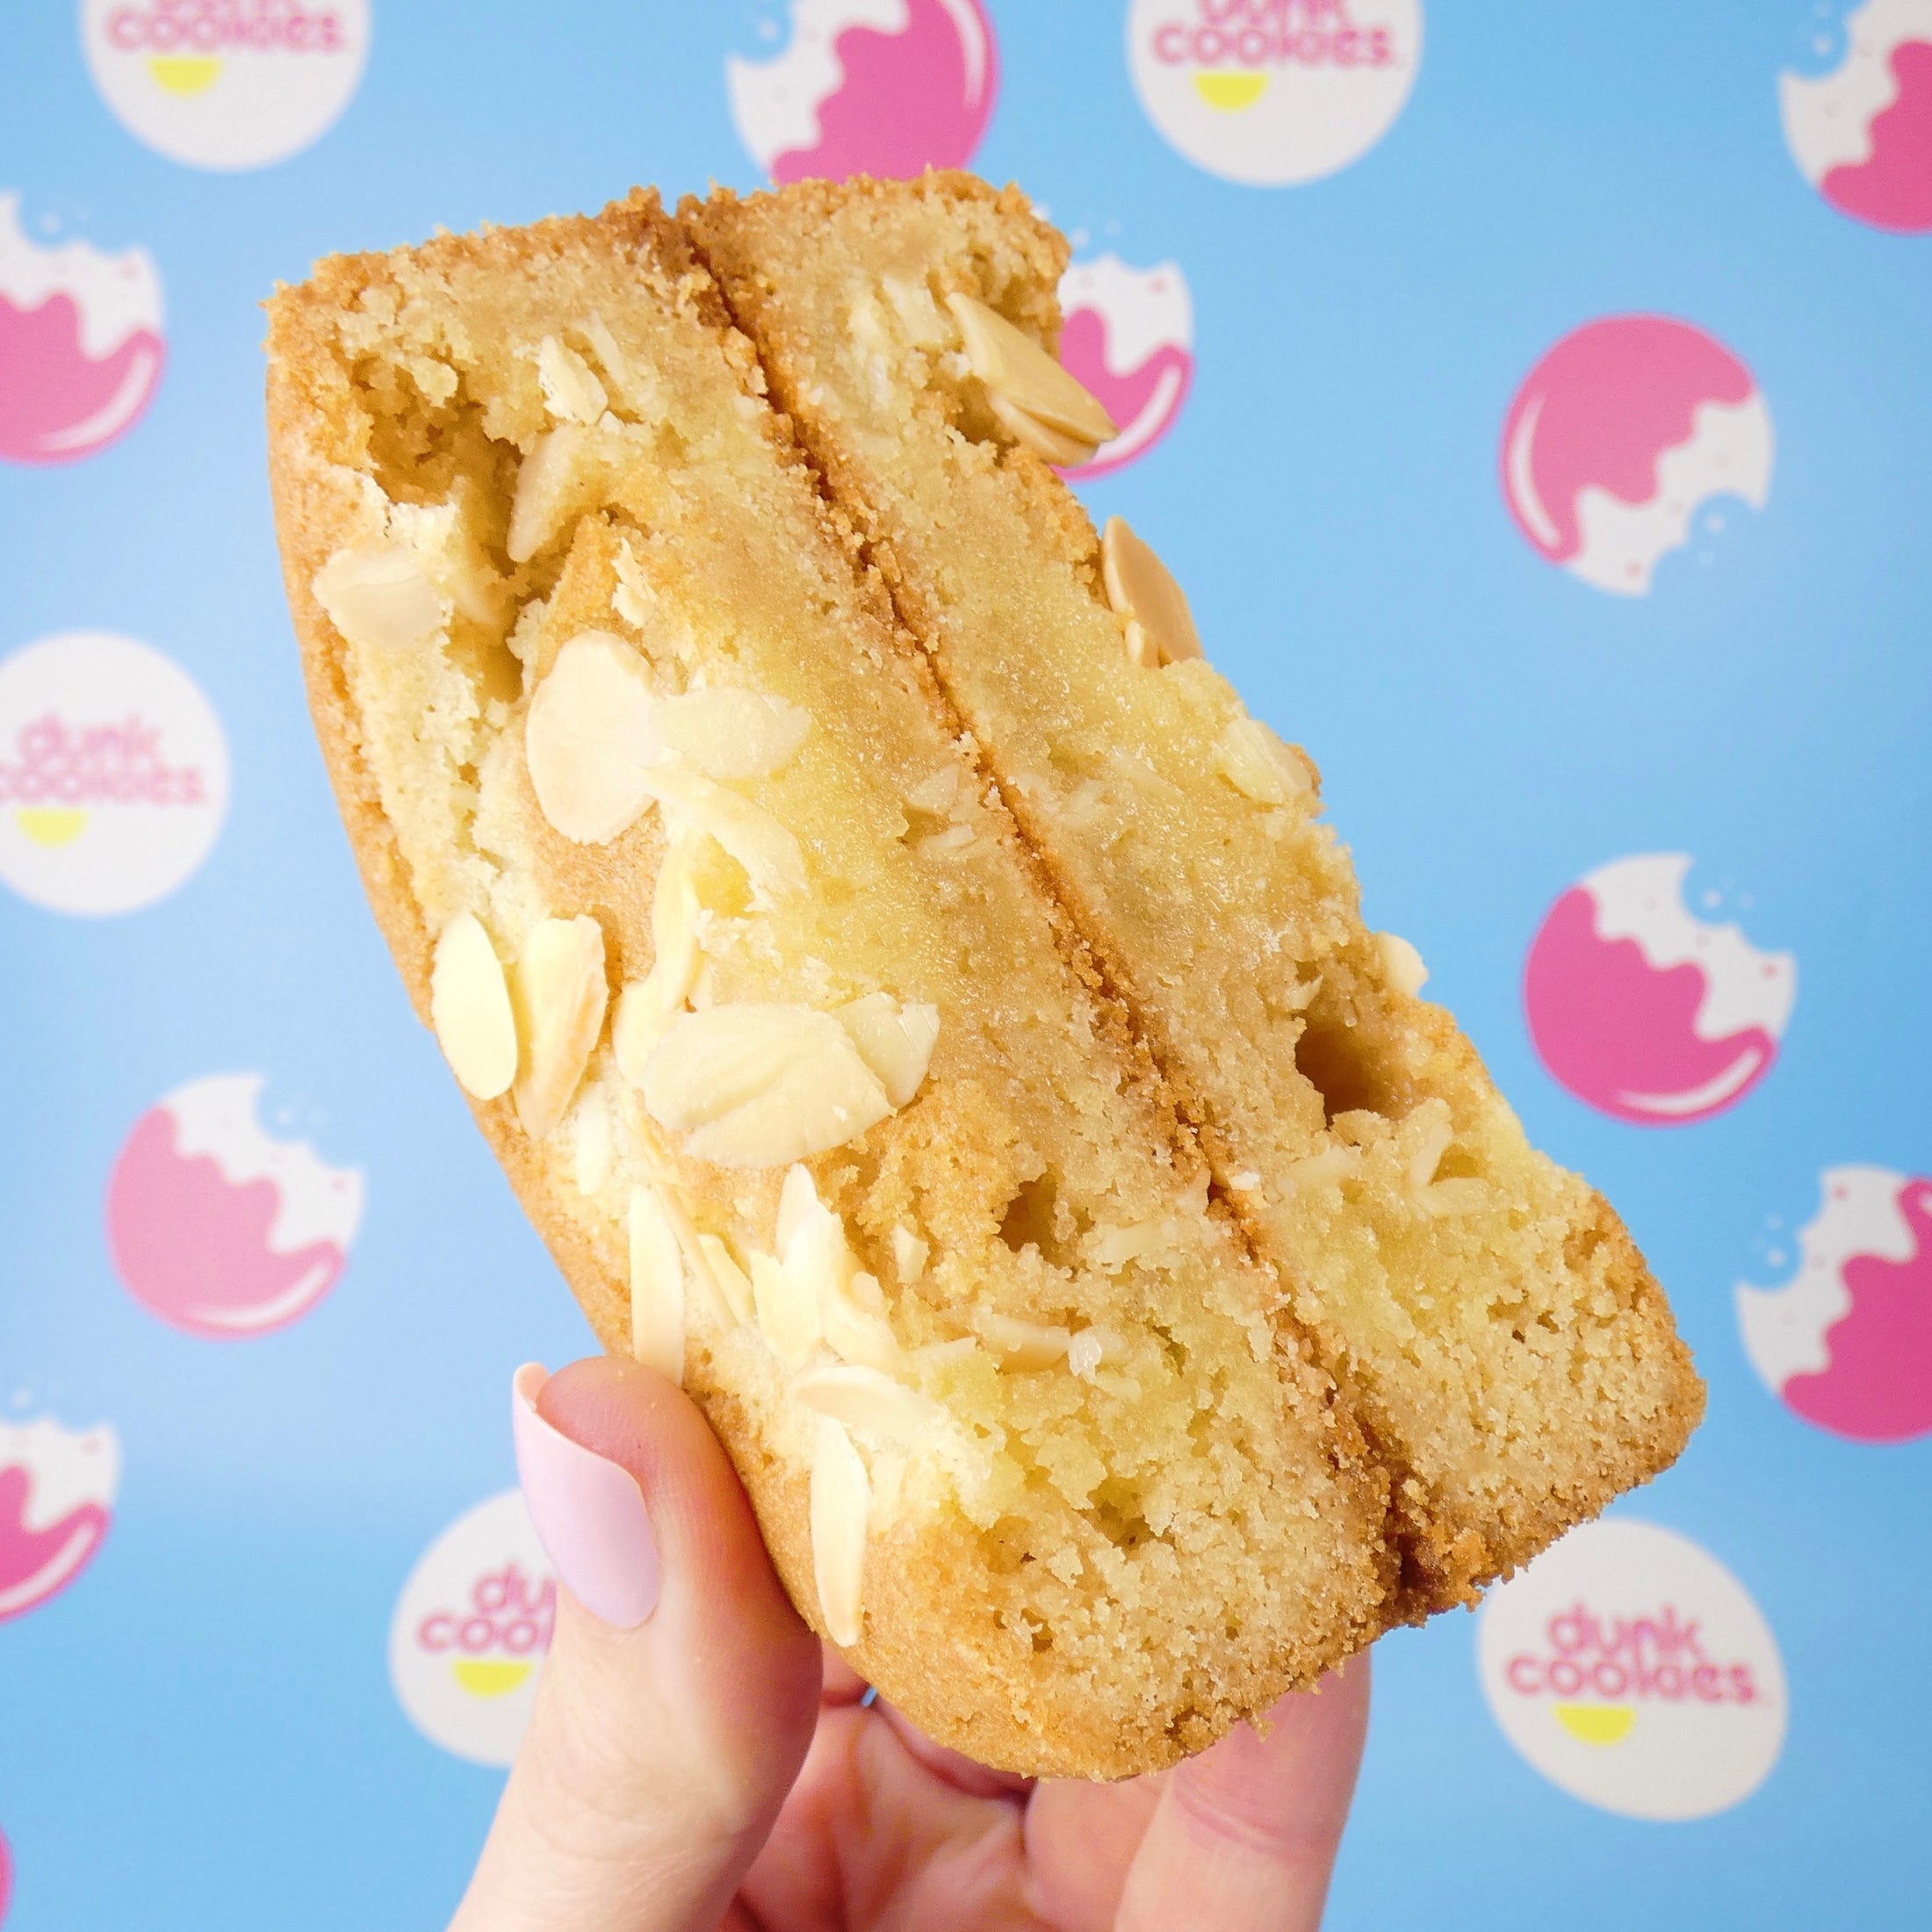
773 1019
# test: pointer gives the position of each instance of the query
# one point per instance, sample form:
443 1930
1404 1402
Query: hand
696 1760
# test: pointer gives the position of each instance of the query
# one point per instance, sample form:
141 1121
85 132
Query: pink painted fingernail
588 1512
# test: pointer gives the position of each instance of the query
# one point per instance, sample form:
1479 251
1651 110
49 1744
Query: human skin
713 1766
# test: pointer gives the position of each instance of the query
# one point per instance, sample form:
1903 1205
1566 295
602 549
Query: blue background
200 1733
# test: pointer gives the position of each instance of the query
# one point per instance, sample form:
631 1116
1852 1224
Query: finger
680 1690
1081 1839
1245 1834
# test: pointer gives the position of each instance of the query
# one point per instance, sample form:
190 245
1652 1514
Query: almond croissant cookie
1484 1314
778 1024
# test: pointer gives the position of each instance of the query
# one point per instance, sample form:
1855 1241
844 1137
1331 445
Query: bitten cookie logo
471 1632
1620 435
1273 92
56 1499
113 774
220 1227
81 351
1129 335
870 87
1846 1342
1646 1011
1860 129
1632 1669
226 84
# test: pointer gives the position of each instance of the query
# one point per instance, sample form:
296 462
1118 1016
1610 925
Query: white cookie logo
113 774
226 83
471 1632
1632 1669
1273 92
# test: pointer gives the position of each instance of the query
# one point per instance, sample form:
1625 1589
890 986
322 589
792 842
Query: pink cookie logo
113 774
871 87
219 1228
1273 92
1846 1342
226 84
470 1631
6 1877
1129 336
56 1500
1861 133
1630 1669
81 351
1619 434
1644 1010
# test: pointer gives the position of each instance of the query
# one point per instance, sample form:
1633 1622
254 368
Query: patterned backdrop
1536 402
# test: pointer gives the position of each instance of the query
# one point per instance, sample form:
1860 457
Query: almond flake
798 1197
910 1254
732 1282
1436 1134
547 481
1012 365
872 1402
1024 1346
1063 452
730 733
1401 964
1141 588
895 1041
559 992
769 853
657 1286
841 1499
571 393
1259 765
380 598
588 739
469 1009
591 1165
759 1085
1092 1346
786 1311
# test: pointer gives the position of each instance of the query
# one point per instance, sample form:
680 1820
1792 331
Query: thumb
680 1690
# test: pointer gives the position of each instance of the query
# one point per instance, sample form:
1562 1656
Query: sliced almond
591 1159
856 1333
1114 1247
1024 1346
1401 964
786 1311
1092 1346
657 1286
910 1254
548 481
841 1499
1259 765
469 1009
1064 452
761 1084
769 853
895 1041
380 597
872 1402
560 993
1012 365
1436 1136
588 739
1141 588
733 1284
933 798
798 1197
572 393
729 733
